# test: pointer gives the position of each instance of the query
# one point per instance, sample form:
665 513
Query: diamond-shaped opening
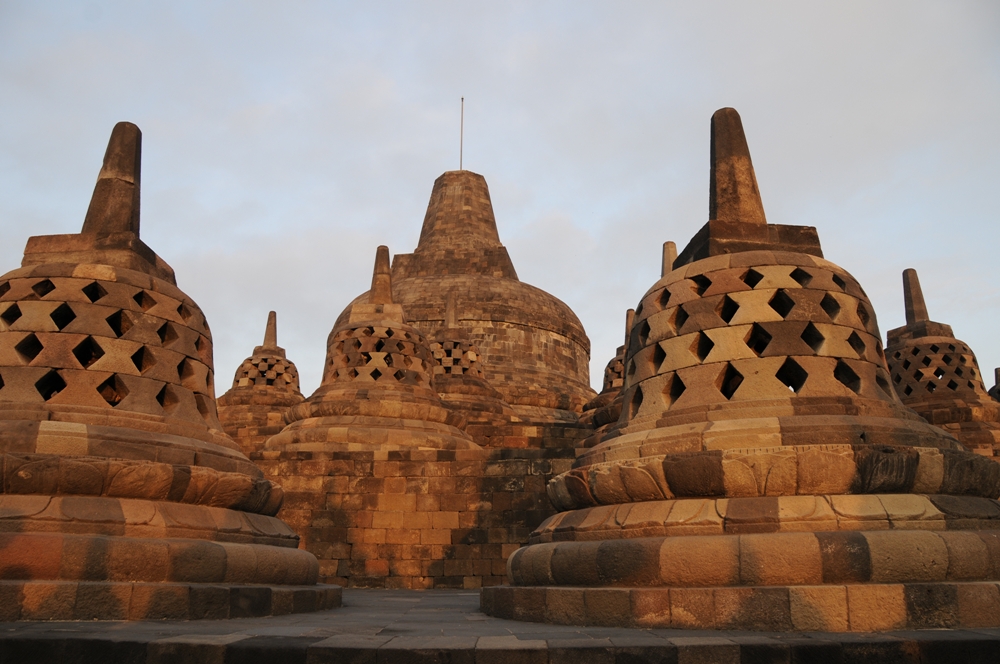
679 318
845 374
673 390
841 284
961 359
144 300
43 288
915 351
1 382
926 361
792 375
939 373
952 385
664 298
857 343
908 390
951 347
635 402
813 337
972 385
758 339
184 312
29 348
50 385
631 368
863 314
934 348
830 305
12 313
143 359
167 399
930 387
897 378
119 322
727 308
643 333
388 359
63 316
883 384
878 349
972 372
947 359
782 303
202 401
94 291
4 287
375 374
87 352
399 375
185 369
352 372
701 283
368 331
896 354
918 375
379 345
729 381
801 276
752 277
167 334
702 346
906 365
658 356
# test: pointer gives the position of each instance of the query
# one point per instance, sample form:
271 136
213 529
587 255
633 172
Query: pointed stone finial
114 207
669 256
271 331
913 298
996 377
629 319
733 193
381 291
450 312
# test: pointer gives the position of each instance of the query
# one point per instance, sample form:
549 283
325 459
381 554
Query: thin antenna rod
461 135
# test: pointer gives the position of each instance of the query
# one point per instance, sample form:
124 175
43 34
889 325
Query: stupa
938 376
264 387
764 474
533 349
122 498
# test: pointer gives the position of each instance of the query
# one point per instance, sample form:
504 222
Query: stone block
610 607
907 556
700 561
819 608
876 608
650 607
780 559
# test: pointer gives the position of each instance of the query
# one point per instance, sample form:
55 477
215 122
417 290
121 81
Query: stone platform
446 626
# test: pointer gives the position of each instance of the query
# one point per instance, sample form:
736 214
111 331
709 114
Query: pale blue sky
284 141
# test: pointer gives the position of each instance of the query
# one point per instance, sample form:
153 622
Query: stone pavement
377 626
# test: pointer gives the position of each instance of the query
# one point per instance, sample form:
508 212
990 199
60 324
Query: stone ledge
101 600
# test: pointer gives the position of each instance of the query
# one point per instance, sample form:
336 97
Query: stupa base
826 608
110 600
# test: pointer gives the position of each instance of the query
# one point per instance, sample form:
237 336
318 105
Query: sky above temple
282 142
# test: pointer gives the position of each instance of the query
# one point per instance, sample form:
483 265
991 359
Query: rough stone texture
762 472
938 376
118 483
534 350
264 387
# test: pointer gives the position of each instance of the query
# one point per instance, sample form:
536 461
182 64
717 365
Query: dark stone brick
629 562
752 515
846 557
883 469
969 474
249 601
262 649
695 474
930 605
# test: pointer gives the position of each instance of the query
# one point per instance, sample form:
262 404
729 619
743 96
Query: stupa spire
913 298
669 256
733 193
114 206
381 291
271 331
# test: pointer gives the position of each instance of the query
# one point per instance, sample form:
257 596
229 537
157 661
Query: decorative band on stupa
376 390
122 498
264 387
763 473
938 376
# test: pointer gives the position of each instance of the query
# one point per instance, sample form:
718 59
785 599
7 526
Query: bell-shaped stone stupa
763 475
264 387
122 498
938 376
533 348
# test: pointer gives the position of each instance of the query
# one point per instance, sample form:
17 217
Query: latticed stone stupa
938 376
533 348
122 498
264 387
764 474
